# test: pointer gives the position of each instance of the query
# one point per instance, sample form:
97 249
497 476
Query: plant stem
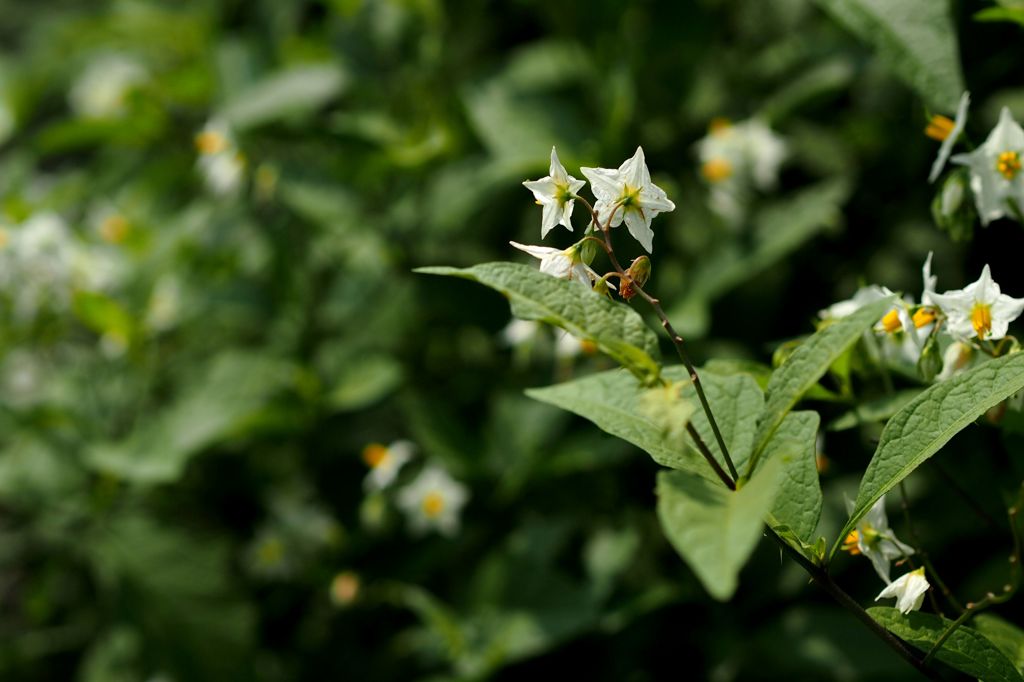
677 340
703 448
946 592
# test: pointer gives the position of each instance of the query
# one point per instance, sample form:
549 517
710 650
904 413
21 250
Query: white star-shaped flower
908 590
560 263
385 463
433 501
627 194
996 177
939 129
876 541
979 309
555 192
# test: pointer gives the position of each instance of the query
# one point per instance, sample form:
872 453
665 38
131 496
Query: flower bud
951 210
636 276
588 249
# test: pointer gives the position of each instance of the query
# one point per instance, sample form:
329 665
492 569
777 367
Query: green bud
638 274
930 362
953 208
588 249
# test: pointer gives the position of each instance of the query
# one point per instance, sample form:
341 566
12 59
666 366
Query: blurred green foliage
194 353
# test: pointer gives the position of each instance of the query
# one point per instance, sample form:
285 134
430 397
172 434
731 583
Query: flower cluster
737 158
432 500
221 163
958 321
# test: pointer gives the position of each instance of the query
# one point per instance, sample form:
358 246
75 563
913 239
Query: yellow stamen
924 317
716 170
981 319
1008 164
374 455
719 125
210 142
850 543
588 347
433 504
939 128
891 322
114 229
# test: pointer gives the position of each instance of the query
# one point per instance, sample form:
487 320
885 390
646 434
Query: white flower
165 304
861 298
433 502
940 129
874 539
221 164
627 194
555 193
385 463
995 167
99 92
956 357
928 281
979 309
568 346
743 153
560 263
908 590
519 333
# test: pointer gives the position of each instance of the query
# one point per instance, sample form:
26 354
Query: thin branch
703 448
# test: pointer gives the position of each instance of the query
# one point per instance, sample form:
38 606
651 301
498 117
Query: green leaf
914 38
967 650
1013 15
809 362
613 401
364 383
297 90
798 503
929 421
715 529
877 410
615 327
1007 637
232 392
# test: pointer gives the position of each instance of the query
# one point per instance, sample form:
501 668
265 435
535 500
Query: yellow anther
939 128
850 544
924 317
210 142
433 504
114 229
588 347
374 455
719 125
716 170
1008 164
981 319
4 237
891 322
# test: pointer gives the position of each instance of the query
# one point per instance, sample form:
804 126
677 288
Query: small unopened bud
636 276
601 287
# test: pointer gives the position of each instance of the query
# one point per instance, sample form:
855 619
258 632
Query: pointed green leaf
914 38
967 650
798 503
929 421
613 401
1006 636
715 529
877 410
809 362
616 328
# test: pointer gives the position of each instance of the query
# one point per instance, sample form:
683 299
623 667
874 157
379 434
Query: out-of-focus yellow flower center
271 552
114 229
981 319
924 317
1008 164
939 127
345 588
433 504
716 170
4 238
850 543
719 125
891 322
588 347
210 142
374 455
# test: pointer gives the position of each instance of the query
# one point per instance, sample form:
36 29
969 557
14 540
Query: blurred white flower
979 310
220 162
948 132
433 501
908 590
554 192
165 304
875 540
100 90
519 333
955 359
627 194
861 298
995 166
385 463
